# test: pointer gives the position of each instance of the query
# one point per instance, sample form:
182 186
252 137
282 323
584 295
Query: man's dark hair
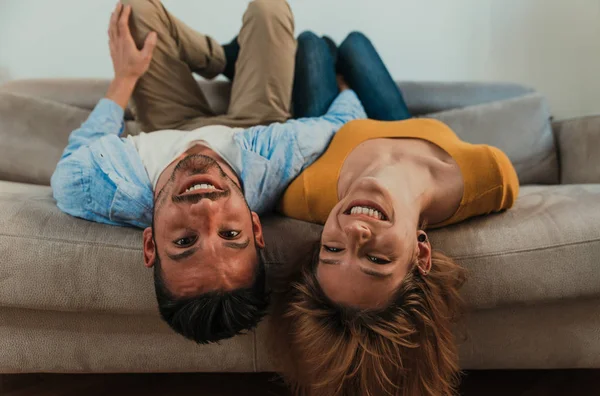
216 315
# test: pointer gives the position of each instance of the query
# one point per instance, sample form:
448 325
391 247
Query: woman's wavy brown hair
405 349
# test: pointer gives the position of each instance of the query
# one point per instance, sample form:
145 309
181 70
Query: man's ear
257 230
424 247
149 248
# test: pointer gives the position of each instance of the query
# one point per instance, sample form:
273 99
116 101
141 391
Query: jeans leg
366 74
315 84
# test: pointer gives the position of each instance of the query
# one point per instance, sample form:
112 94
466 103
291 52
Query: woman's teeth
365 210
203 186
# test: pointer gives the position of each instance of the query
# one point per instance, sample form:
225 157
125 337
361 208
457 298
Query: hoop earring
422 271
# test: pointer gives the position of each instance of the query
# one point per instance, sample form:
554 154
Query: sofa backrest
421 97
36 117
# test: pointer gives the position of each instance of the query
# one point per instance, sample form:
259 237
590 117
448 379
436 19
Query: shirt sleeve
100 176
313 135
306 138
106 119
104 182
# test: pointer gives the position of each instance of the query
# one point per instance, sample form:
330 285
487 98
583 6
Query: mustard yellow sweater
491 183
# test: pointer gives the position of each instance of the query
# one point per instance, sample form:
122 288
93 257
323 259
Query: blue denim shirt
101 177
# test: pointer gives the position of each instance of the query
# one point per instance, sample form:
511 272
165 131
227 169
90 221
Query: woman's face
367 247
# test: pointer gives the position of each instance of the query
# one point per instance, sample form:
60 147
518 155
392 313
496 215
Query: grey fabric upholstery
525 255
421 97
508 116
579 149
433 97
85 93
75 297
82 93
519 126
34 133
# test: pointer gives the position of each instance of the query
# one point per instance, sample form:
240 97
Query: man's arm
103 180
314 136
307 138
129 65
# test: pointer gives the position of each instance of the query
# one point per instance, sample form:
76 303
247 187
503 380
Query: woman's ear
424 253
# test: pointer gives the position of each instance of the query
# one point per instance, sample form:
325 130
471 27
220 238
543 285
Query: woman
372 313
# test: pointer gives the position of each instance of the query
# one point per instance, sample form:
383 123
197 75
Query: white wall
553 45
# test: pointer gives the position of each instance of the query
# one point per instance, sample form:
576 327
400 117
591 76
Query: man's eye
229 234
185 241
378 260
332 249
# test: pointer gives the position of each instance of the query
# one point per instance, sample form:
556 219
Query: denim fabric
365 72
101 177
315 84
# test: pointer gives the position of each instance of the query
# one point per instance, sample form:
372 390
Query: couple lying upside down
371 312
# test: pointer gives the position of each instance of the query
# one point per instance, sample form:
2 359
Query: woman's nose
359 231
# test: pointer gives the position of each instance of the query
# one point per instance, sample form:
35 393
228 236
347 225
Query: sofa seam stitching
506 252
68 241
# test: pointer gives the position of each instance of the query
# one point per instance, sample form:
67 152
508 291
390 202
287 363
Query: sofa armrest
578 143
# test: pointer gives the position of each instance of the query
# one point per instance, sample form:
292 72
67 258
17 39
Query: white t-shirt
158 149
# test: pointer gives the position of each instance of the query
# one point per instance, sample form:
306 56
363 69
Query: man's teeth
203 186
371 212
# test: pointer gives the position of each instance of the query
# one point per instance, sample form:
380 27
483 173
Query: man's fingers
114 17
124 21
149 45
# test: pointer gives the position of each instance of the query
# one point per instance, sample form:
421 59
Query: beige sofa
75 297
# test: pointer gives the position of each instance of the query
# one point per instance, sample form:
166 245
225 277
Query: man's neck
201 149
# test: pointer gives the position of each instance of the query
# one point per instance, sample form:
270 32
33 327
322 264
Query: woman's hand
129 63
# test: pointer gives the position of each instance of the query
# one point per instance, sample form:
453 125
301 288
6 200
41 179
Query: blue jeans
315 85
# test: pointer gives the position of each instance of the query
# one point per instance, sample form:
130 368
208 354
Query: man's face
203 231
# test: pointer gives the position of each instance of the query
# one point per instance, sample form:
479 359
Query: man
198 185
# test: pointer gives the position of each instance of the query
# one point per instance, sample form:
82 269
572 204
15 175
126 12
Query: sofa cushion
423 97
34 133
544 249
521 127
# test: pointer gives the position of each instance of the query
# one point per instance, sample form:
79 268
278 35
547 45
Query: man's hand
129 63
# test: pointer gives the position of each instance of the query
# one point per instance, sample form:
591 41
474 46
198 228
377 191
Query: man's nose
205 208
358 231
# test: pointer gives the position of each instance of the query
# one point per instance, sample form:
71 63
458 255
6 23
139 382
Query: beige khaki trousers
168 97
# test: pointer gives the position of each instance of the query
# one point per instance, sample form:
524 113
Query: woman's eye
332 249
229 234
378 260
185 241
